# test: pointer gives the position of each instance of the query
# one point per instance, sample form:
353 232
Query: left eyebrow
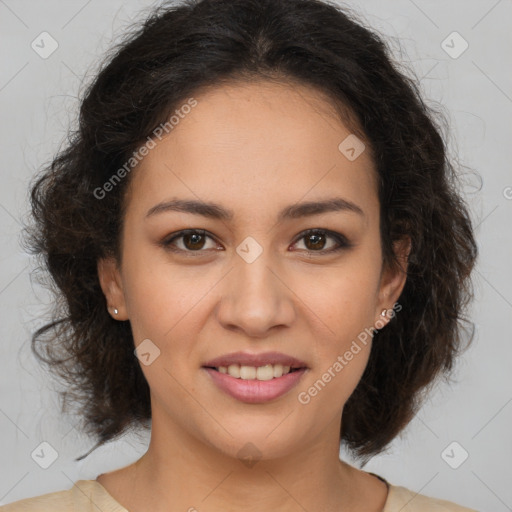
306 209
216 211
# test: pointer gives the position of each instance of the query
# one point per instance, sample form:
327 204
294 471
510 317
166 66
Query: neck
179 472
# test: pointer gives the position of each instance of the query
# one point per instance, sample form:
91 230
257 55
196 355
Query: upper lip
262 359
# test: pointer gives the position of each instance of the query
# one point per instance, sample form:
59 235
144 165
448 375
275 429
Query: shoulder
85 495
404 500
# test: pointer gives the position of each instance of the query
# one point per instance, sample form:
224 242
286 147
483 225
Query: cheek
330 383
169 307
343 297
341 303
160 297
163 306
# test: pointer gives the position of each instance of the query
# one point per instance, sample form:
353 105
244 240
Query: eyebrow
216 211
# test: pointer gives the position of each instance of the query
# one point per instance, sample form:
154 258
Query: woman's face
244 162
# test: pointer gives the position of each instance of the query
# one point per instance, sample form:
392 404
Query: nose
256 298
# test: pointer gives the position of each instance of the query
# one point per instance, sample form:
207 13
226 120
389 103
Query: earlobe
111 284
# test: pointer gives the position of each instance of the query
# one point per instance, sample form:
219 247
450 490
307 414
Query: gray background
38 99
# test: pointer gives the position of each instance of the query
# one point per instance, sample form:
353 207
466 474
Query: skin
253 148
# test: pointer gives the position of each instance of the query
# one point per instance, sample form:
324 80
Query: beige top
91 496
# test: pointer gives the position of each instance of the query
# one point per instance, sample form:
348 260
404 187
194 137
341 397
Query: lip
255 391
250 359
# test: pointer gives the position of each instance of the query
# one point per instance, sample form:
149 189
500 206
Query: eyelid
167 241
342 241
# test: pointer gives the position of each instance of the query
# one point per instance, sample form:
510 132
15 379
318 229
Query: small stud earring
384 312
115 311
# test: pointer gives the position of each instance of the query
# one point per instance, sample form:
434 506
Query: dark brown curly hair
201 43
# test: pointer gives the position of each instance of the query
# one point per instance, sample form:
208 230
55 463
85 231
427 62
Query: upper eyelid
328 232
338 237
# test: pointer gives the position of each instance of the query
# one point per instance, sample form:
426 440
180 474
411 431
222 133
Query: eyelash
342 242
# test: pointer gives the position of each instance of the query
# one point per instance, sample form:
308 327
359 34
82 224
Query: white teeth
247 372
278 370
267 372
234 370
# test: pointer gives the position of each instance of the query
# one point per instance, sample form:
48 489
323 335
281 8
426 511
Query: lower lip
255 391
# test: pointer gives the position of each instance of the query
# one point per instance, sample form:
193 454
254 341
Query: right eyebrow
211 210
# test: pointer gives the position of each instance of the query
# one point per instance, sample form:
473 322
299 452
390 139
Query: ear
111 284
392 283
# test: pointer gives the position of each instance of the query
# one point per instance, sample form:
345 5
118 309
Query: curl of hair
178 51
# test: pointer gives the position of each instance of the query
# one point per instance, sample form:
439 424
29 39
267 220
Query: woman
262 253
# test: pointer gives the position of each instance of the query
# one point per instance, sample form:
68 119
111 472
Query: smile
252 384
266 372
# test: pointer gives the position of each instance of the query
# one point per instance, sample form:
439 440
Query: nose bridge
254 278
253 298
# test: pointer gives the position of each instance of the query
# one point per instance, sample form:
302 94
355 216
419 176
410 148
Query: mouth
255 378
261 373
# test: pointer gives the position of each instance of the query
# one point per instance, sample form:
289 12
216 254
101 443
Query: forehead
261 143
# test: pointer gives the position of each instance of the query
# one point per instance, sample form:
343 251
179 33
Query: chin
256 445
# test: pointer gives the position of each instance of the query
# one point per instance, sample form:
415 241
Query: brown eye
193 241
188 241
315 240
